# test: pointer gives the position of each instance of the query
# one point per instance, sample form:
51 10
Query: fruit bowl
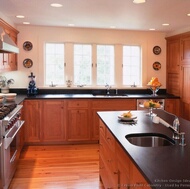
154 89
150 105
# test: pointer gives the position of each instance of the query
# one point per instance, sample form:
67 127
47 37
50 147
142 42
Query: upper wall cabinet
173 66
185 50
173 55
8 61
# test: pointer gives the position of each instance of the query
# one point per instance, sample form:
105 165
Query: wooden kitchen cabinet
8 61
53 121
172 106
185 50
173 66
32 117
178 79
78 124
115 168
123 164
108 165
106 105
185 92
136 179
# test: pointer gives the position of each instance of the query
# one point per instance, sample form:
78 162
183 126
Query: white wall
38 35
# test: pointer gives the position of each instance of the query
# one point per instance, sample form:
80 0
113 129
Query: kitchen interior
113 135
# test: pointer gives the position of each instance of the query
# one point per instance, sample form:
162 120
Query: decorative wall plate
27 46
27 63
157 50
156 66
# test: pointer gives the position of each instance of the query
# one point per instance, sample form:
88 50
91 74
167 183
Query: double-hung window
82 64
54 64
105 65
132 65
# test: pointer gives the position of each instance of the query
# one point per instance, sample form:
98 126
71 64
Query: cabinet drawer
78 104
102 128
114 104
110 140
123 158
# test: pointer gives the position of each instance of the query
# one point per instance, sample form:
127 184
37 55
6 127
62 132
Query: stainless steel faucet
176 128
108 87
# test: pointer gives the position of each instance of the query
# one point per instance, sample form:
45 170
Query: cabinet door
173 55
185 50
12 61
185 91
123 164
32 121
172 106
78 128
137 180
173 65
53 120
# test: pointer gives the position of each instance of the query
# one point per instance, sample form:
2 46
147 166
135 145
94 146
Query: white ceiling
123 14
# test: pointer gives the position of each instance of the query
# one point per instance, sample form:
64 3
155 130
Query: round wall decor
27 46
157 50
156 66
27 63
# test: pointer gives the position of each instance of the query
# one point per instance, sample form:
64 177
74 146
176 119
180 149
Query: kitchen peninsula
145 167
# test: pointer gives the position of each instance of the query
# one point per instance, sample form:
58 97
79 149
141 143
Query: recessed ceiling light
71 25
139 1
20 16
152 29
56 5
188 14
165 24
26 23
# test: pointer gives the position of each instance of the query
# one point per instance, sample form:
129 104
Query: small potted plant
4 84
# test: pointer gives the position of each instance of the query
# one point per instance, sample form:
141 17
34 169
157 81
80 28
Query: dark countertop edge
90 96
93 93
21 97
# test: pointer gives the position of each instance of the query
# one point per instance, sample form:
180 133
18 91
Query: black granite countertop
21 97
165 167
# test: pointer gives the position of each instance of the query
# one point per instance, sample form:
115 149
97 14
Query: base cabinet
32 117
53 121
108 166
116 168
78 126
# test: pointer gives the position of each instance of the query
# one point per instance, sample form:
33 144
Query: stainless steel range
10 125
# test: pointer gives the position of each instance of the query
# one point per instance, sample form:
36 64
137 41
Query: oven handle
8 140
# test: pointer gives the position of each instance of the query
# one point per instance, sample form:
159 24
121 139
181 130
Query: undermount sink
110 95
150 140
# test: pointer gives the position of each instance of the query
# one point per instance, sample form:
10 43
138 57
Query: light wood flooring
58 167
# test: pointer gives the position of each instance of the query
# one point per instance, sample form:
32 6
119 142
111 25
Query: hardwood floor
58 167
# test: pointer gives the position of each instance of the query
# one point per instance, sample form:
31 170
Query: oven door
11 152
1 167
